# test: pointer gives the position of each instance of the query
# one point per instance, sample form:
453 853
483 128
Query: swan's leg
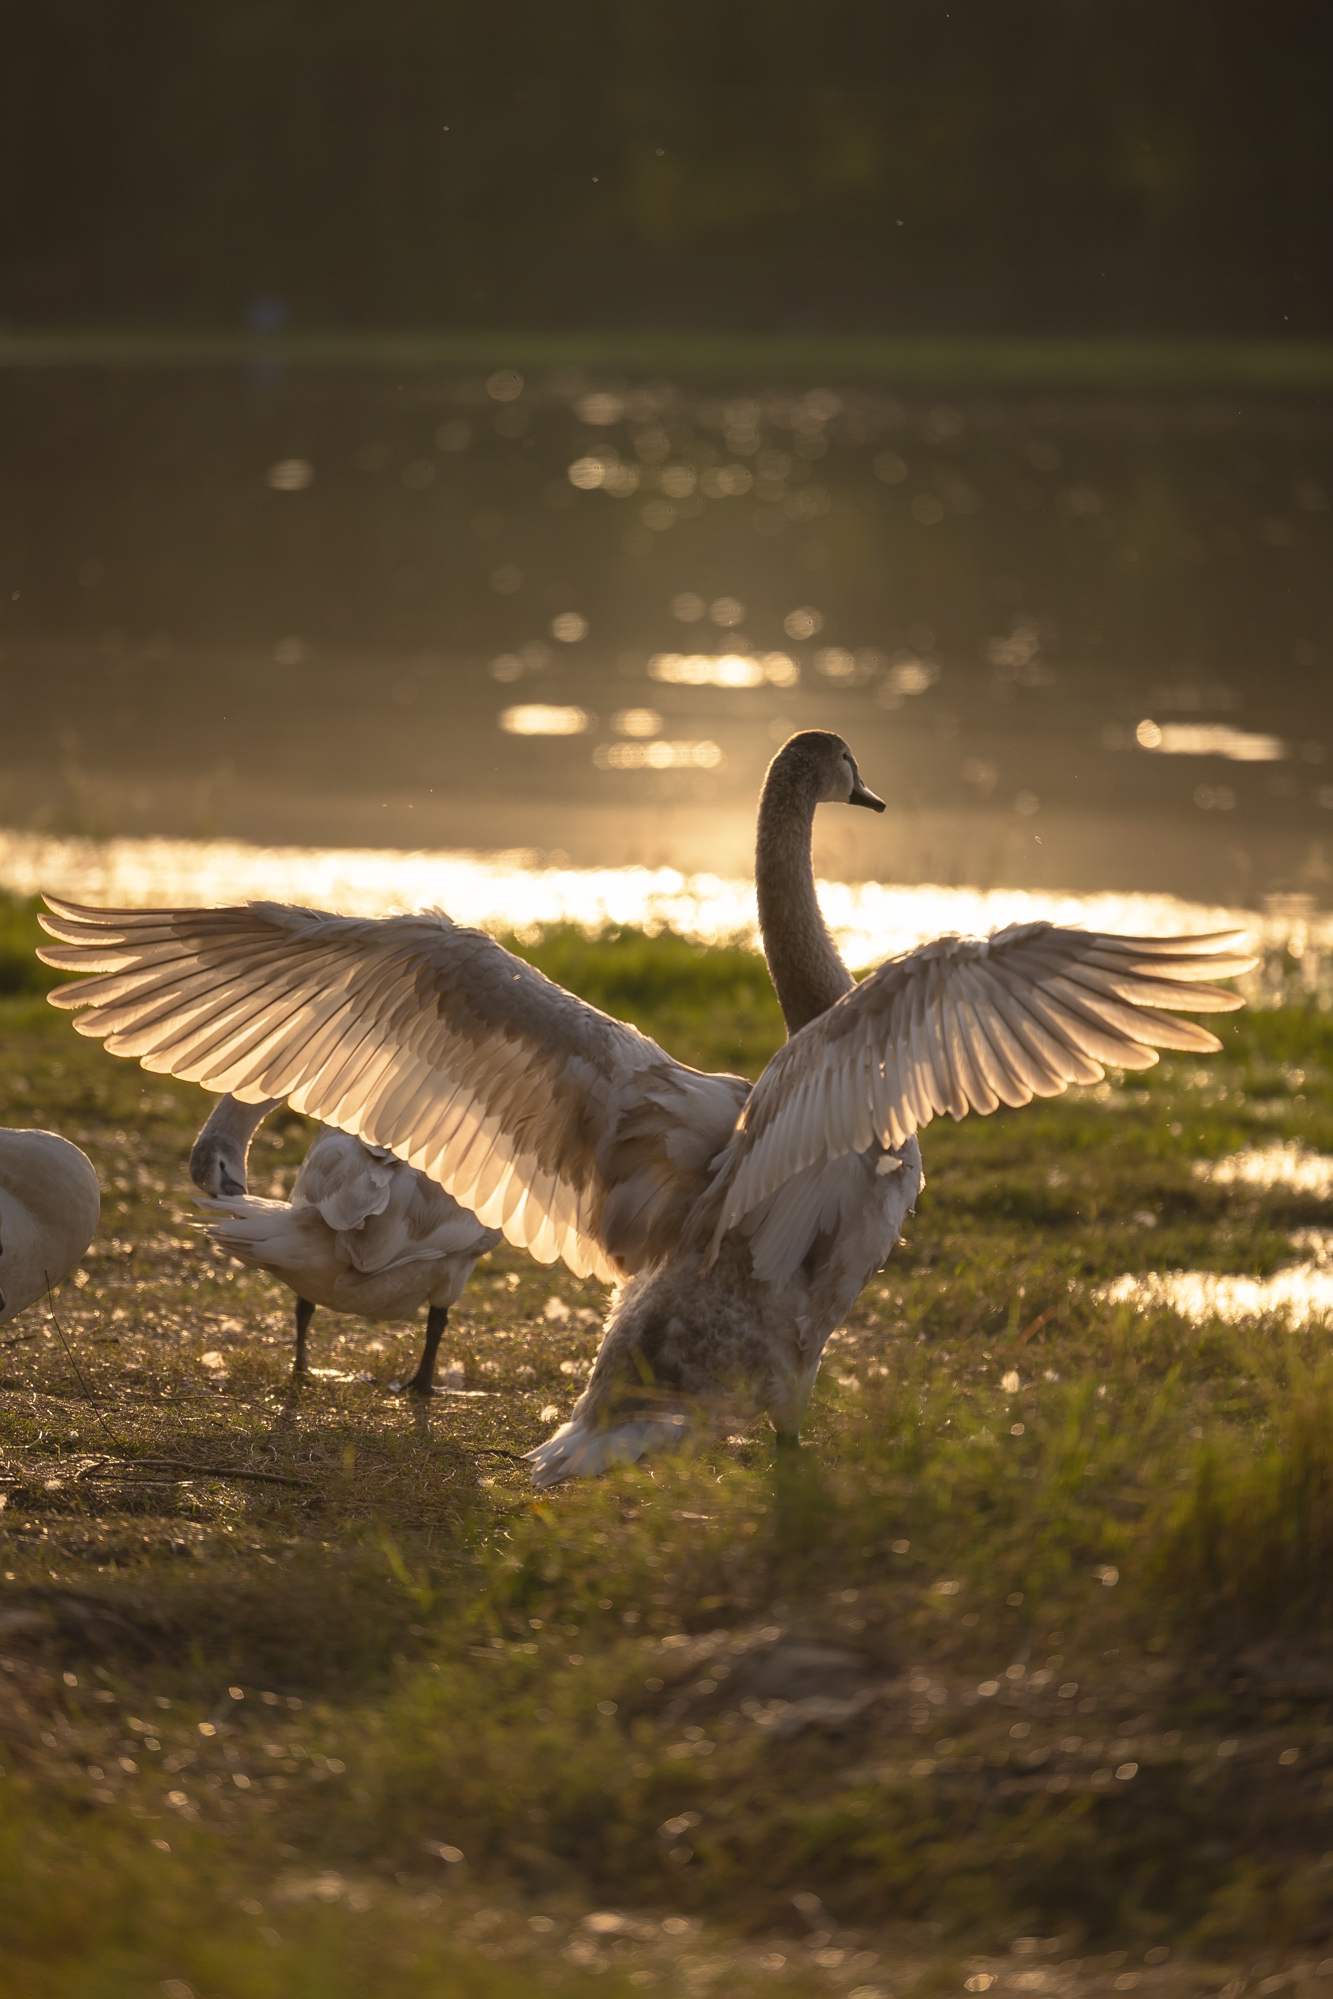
423 1381
305 1312
786 1440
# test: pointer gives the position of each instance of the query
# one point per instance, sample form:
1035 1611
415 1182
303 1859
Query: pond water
521 892
1081 643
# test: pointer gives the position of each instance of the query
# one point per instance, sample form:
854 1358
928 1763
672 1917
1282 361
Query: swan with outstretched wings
741 1222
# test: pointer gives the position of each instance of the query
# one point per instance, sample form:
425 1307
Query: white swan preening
363 1233
49 1207
746 1221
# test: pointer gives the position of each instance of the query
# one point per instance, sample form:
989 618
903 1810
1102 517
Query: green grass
863 1714
906 361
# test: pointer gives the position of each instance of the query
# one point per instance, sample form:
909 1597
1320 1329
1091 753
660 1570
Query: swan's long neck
218 1161
803 962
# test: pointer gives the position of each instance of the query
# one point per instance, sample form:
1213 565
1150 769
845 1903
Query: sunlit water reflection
1301 1294
1075 641
1290 1166
506 891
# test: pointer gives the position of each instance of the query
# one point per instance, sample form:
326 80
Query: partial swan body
363 1232
740 1222
49 1207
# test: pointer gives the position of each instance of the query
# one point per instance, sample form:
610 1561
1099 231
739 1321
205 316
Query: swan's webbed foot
423 1381
305 1312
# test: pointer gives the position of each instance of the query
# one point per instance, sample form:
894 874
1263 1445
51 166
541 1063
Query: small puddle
1302 1293
1289 1165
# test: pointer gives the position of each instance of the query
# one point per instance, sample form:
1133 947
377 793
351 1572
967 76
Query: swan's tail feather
576 1452
256 1231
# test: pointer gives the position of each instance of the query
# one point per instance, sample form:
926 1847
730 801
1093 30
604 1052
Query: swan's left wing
967 1024
571 1131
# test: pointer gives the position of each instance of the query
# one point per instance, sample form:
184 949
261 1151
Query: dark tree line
851 164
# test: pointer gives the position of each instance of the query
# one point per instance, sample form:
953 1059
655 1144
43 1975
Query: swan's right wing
963 1025
572 1132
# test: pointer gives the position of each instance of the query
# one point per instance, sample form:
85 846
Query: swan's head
821 765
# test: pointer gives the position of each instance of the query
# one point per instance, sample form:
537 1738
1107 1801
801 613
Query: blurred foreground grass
1023 1672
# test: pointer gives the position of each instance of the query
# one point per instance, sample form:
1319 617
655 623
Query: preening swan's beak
862 795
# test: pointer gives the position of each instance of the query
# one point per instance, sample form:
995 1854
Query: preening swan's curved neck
803 962
218 1161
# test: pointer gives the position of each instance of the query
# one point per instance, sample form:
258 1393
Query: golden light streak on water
514 891
1288 1165
1300 1294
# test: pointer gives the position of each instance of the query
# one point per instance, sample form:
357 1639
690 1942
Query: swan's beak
862 795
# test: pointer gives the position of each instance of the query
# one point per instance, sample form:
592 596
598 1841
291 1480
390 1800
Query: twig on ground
1035 1327
183 1465
78 1371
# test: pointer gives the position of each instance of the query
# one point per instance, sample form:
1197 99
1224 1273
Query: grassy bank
945 362
1023 1672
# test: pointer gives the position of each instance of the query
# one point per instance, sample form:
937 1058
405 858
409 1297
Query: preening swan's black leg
423 1381
305 1312
786 1440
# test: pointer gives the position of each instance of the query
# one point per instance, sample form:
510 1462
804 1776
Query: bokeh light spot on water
569 627
689 607
728 669
677 481
1210 739
726 611
505 385
803 623
658 755
290 475
636 722
852 669
980 772
725 482
910 675
600 407
620 481
538 719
